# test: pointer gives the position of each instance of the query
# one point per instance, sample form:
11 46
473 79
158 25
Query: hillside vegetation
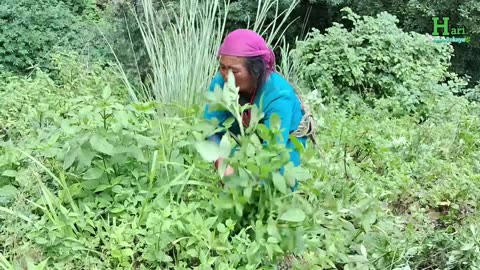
98 171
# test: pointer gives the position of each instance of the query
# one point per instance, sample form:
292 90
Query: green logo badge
443 32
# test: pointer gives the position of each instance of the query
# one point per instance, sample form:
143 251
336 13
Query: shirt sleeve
221 116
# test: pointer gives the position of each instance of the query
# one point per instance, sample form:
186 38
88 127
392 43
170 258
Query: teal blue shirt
279 98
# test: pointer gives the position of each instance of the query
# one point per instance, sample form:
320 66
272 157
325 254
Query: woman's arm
281 105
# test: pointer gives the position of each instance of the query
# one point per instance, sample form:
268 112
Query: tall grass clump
182 40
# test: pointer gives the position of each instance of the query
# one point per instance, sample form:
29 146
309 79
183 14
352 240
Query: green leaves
279 182
107 92
275 122
293 215
210 151
373 60
255 116
100 144
37 39
93 173
8 191
145 197
230 91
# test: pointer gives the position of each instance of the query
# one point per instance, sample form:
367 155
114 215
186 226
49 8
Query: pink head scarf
247 43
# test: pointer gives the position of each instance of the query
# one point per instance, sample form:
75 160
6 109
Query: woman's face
243 79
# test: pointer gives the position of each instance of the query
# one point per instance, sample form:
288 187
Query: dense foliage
372 59
31 30
77 23
92 180
415 15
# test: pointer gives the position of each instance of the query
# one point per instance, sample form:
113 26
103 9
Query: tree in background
416 16
31 30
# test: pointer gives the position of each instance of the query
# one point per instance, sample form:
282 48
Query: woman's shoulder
276 85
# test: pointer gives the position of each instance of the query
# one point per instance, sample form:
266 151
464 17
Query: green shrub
31 30
80 7
28 103
373 58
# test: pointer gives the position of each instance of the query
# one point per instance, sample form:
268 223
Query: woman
253 65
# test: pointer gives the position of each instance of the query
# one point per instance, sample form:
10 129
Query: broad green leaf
263 132
363 250
238 208
247 192
122 118
221 246
221 228
90 184
117 180
272 228
9 173
52 152
368 219
255 140
289 174
297 144
231 92
69 158
8 191
214 101
210 221
225 147
93 173
237 180
357 259
145 141
228 122
143 107
127 252
102 188
347 225
253 168
468 246
301 174
117 189
255 116
104 198
85 156
136 153
293 215
279 182
275 122
107 92
273 240
100 144
41 240
209 150
250 150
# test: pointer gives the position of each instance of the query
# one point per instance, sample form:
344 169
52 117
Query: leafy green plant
46 27
257 194
373 59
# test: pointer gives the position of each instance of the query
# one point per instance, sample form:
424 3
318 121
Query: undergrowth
89 179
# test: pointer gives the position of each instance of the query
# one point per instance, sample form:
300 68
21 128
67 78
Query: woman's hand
228 171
